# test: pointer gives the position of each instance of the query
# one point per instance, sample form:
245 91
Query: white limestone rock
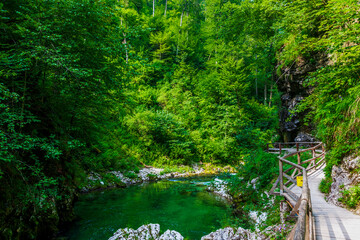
254 182
171 235
147 174
124 234
344 177
145 232
221 234
94 176
229 234
219 187
124 179
244 234
152 232
258 217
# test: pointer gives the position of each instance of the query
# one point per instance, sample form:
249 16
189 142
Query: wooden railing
301 205
278 147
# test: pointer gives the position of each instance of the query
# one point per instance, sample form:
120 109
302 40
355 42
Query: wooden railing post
280 149
281 176
313 155
298 153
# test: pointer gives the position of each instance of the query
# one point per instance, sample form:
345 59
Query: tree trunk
265 92
125 43
181 21
165 7
153 8
43 85
182 15
23 102
256 79
126 50
271 89
256 85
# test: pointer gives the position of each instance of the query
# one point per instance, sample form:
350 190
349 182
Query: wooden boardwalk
317 219
331 222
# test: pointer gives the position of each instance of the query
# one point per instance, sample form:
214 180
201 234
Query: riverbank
249 201
111 179
152 231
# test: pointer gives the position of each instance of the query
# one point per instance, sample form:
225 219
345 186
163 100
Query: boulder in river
171 235
219 187
146 232
229 234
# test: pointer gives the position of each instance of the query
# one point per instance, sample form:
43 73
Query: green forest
100 85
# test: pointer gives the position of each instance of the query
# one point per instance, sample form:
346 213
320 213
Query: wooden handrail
304 228
289 143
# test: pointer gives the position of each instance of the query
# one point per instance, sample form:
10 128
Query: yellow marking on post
299 181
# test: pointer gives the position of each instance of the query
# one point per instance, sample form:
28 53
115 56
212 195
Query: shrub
325 185
262 166
351 196
130 174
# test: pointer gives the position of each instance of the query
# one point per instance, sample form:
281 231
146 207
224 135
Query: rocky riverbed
218 186
120 179
152 231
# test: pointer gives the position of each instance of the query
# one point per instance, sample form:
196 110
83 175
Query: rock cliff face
344 177
291 84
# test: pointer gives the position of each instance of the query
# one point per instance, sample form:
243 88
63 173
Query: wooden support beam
289 178
294 172
291 194
281 176
295 208
291 201
272 190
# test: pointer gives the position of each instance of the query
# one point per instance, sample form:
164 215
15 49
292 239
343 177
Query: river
182 205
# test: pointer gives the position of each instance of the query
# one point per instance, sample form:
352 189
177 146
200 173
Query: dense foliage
254 177
114 85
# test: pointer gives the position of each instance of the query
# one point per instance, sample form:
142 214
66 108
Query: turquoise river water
181 205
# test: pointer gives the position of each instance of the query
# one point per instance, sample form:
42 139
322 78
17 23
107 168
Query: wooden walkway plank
331 222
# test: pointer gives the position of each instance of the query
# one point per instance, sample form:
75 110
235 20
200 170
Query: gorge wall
292 84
